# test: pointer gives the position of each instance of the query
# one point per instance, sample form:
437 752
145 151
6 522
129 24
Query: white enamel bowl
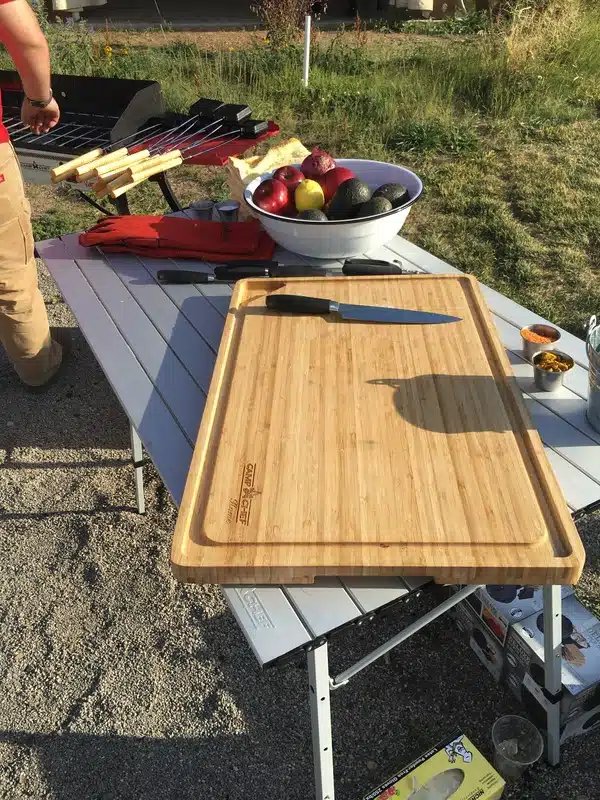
347 237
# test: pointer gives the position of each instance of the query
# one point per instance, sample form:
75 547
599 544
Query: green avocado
350 196
376 205
313 214
394 192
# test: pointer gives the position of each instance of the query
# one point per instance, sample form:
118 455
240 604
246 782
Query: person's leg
24 330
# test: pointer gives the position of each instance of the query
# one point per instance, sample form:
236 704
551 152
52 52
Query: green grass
503 130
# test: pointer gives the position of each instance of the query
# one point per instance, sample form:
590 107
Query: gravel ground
118 682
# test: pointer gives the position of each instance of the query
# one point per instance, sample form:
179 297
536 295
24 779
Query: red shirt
4 137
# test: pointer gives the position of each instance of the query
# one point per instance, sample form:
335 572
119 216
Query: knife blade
298 304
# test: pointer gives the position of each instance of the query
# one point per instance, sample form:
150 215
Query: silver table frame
126 316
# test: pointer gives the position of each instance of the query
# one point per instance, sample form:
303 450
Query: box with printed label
453 769
483 644
502 606
580 701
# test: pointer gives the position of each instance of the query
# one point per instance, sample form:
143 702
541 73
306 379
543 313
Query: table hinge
583 512
553 698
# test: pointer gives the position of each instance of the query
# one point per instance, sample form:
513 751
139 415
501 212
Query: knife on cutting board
298 304
238 270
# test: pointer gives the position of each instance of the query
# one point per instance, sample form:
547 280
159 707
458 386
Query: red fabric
172 237
230 147
4 137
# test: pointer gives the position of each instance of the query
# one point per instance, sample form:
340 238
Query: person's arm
24 40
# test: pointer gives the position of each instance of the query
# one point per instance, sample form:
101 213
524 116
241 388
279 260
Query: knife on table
237 270
298 304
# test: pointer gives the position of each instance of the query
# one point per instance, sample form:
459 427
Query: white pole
307 21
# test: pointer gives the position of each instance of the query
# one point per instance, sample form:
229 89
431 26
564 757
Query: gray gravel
118 682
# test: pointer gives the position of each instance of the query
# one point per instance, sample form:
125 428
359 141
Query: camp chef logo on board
240 507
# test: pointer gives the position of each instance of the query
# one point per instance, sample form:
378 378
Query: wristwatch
40 103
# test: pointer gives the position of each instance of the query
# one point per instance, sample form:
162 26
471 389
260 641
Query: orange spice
538 338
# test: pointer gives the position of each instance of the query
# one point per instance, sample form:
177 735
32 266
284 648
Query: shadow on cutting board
452 403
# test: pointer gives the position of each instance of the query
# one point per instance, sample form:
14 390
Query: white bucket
420 5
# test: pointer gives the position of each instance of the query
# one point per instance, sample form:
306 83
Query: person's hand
40 120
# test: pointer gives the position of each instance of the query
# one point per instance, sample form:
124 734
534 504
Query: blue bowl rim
279 218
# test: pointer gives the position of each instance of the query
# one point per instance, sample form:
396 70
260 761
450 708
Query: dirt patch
238 40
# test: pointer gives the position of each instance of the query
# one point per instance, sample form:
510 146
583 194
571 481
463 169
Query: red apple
271 195
332 180
290 176
317 163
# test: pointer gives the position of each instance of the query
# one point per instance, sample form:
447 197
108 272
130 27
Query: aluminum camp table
157 346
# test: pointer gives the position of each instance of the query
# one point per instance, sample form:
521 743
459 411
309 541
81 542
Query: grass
502 125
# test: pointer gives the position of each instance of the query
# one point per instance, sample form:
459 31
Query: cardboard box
453 769
580 703
489 651
501 606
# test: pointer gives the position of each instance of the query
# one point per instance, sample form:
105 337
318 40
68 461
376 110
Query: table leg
137 456
320 719
552 667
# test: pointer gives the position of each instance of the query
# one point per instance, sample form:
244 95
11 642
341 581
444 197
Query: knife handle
183 276
298 304
226 272
364 268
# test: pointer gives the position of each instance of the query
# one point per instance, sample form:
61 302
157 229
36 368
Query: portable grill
99 112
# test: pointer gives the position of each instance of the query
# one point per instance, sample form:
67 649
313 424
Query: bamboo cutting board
344 448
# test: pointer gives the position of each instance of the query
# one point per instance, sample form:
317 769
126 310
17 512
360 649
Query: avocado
349 197
394 192
313 214
376 205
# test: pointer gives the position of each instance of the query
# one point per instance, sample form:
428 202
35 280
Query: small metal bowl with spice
537 338
549 369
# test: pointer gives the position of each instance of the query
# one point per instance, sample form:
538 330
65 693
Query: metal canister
593 351
550 381
202 209
227 211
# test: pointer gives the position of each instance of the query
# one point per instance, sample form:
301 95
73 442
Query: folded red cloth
174 237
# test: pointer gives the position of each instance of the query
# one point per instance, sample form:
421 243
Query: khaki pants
24 330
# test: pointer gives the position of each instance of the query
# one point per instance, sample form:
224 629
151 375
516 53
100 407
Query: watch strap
40 103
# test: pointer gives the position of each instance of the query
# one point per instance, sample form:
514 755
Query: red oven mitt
174 237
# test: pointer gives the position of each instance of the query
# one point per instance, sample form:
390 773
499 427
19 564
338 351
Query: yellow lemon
309 195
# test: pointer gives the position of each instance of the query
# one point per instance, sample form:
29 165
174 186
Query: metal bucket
593 351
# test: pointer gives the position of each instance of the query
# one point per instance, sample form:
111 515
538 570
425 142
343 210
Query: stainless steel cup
531 348
227 211
202 209
550 381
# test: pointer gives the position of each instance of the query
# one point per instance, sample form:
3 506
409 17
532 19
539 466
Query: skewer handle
154 161
87 171
67 170
142 176
115 167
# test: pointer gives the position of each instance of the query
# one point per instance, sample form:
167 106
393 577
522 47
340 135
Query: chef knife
298 304
237 270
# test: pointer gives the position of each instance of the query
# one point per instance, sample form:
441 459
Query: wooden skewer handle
152 162
142 176
67 170
118 166
87 171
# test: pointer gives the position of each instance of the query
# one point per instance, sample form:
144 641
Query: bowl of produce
537 338
549 368
333 209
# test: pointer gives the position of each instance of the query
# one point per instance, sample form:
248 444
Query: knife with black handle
238 270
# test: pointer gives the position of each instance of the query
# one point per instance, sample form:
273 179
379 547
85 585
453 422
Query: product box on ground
483 644
500 606
580 702
454 768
